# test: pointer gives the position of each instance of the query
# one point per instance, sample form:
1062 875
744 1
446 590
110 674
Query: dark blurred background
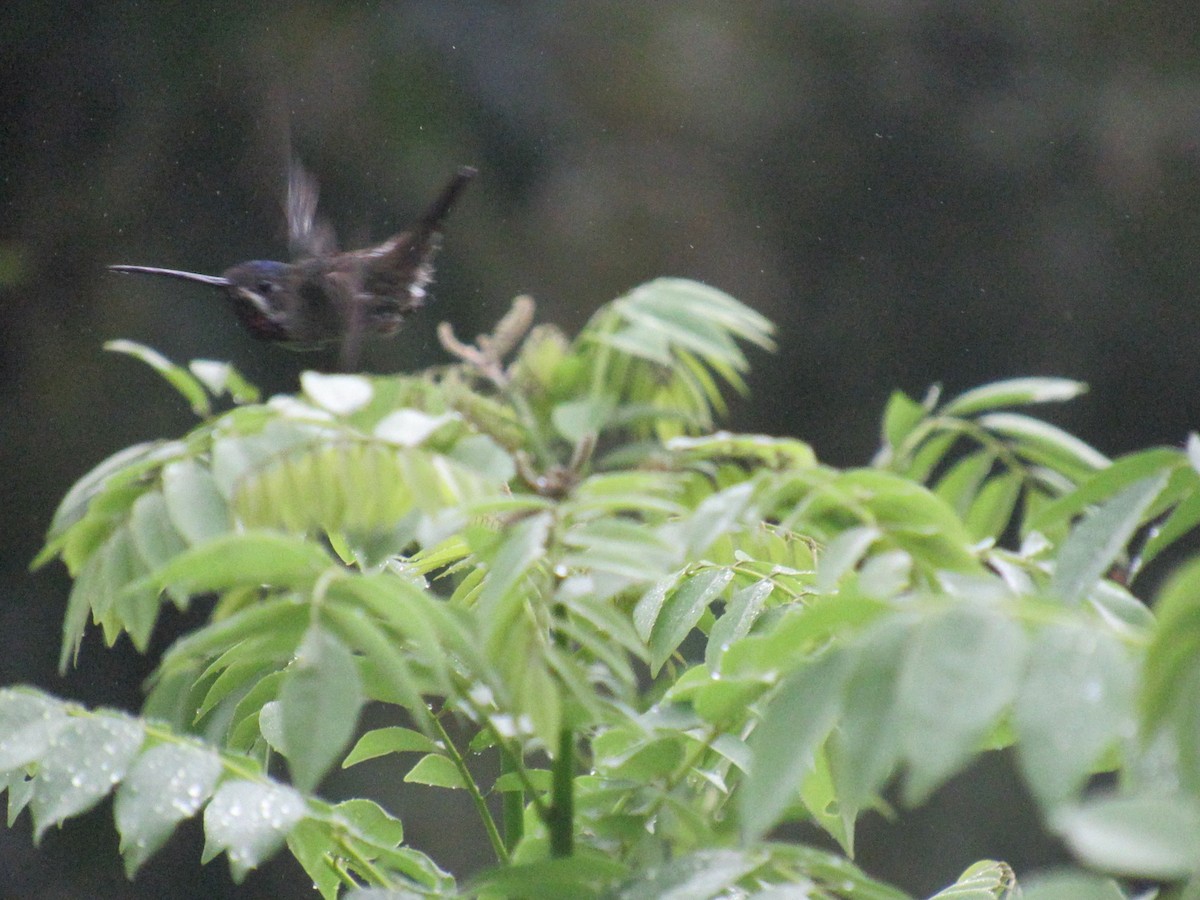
916 192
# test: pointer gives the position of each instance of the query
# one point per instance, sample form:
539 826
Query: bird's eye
265 287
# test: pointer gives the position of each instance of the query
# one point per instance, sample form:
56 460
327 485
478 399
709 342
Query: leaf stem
485 815
560 817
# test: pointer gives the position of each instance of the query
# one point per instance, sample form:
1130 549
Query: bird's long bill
214 280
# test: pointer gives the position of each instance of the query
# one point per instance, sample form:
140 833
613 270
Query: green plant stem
362 865
513 809
485 815
560 817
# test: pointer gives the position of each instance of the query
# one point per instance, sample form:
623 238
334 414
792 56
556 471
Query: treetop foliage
672 639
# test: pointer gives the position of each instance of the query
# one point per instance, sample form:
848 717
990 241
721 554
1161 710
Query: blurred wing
307 235
352 311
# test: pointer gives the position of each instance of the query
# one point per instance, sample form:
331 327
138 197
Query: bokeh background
916 192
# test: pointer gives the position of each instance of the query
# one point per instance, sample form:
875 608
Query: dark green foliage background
914 192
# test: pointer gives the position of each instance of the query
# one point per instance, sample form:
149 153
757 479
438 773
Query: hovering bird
325 296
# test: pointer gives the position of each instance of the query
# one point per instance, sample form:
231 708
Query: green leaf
523 548
29 722
842 554
962 671
1171 675
740 613
277 616
79 607
249 820
778 453
154 537
704 873
577 419
194 503
319 704
83 762
901 415
435 770
337 393
716 517
1181 521
835 872
993 507
178 377
222 377
960 484
693 313
1105 484
372 819
1070 886
866 746
985 880
116 473
583 876
165 785
820 799
387 669
411 427
245 558
630 755
1137 836
623 548
796 721
484 457
382 741
309 842
682 610
1014 392
1076 701
1044 443
1095 543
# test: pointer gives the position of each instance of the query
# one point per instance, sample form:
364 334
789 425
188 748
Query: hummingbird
325 296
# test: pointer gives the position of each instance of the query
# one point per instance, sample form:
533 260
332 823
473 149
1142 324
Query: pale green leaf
1139 836
797 720
249 821
1075 701
1071 886
734 624
222 377
1014 392
576 419
901 415
28 723
961 673
682 610
985 880
435 770
382 741
372 819
165 785
866 746
337 393
83 762
319 704
245 558
194 503
704 873
1046 443
1095 543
